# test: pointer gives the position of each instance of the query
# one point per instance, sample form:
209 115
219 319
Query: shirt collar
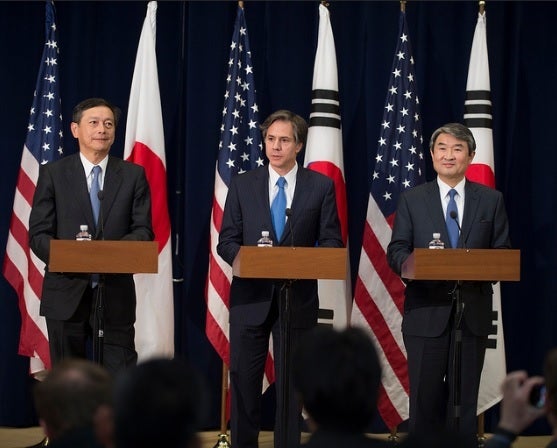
444 188
88 166
290 176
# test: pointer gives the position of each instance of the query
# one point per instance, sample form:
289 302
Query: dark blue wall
98 43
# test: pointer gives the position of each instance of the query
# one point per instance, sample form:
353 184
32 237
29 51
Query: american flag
379 292
22 269
240 150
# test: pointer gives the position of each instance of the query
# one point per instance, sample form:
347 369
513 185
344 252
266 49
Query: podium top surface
103 257
463 264
292 263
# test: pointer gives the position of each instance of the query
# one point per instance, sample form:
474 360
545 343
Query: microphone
100 195
288 212
454 216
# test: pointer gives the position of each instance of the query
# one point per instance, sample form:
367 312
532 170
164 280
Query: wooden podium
460 265
289 264
102 257
463 264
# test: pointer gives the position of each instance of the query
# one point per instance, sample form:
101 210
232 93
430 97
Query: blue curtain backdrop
98 43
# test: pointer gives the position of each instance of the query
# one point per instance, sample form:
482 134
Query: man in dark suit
429 311
254 303
61 204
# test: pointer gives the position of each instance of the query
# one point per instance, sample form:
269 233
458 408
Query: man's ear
73 128
103 424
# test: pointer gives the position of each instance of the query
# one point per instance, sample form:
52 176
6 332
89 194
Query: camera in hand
537 396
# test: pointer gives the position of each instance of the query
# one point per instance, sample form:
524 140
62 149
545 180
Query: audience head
158 403
71 395
337 375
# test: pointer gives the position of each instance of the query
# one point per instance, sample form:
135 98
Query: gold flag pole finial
403 5
482 6
325 3
241 4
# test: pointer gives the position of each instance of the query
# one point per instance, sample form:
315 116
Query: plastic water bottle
436 242
265 241
83 234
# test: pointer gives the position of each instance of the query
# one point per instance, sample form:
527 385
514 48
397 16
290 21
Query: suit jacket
314 221
484 225
61 204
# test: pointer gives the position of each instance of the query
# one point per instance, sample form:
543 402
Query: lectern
461 265
289 264
103 257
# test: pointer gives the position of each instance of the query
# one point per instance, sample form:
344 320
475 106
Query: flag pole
481 416
223 441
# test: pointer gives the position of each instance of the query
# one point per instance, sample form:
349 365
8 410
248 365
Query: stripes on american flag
379 293
240 150
22 269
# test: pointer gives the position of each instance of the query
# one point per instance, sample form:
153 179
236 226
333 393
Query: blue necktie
452 227
278 208
94 192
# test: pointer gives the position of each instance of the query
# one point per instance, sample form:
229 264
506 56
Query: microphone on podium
288 212
100 195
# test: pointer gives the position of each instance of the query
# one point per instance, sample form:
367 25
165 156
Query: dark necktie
452 226
94 192
278 208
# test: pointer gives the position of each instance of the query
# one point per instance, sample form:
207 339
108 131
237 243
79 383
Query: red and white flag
154 327
398 164
324 154
22 269
478 117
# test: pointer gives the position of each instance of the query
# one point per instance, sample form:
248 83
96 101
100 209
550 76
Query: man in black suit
60 205
429 309
254 303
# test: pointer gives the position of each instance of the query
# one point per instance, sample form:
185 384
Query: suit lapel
262 199
298 201
77 185
471 203
435 209
112 182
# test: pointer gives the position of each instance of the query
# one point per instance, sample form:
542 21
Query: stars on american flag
399 162
240 147
44 131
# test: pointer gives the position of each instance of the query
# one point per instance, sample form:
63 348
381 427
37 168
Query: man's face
450 158
95 131
281 147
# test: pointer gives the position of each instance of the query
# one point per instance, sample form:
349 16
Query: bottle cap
83 227
264 233
436 236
